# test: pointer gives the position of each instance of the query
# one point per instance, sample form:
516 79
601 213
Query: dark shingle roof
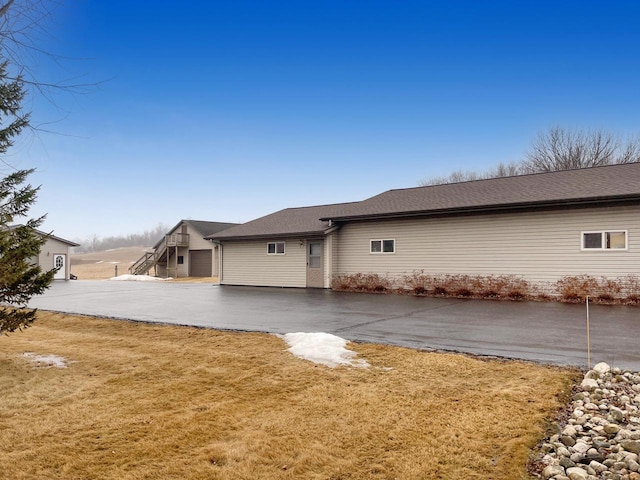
209 228
585 185
290 221
203 227
588 185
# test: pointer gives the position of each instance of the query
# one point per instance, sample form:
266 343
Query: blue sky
227 111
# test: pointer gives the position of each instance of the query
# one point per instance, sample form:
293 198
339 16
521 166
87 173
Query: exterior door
315 264
60 262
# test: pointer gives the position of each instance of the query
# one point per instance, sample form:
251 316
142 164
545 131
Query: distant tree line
148 238
557 149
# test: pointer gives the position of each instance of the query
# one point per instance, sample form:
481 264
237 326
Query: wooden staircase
161 254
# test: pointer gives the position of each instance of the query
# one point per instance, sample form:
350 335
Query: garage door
200 263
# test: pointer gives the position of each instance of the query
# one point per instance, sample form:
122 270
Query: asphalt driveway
545 332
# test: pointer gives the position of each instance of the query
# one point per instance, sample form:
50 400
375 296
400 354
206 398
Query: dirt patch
150 401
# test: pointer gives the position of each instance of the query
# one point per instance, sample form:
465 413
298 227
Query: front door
315 264
60 263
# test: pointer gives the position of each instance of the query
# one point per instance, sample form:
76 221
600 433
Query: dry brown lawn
141 401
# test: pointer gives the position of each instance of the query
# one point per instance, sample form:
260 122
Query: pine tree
20 276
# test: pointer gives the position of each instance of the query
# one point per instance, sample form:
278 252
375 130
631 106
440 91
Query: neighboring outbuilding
540 227
55 253
184 251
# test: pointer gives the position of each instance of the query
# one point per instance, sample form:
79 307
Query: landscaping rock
631 445
602 368
601 437
589 384
577 473
552 471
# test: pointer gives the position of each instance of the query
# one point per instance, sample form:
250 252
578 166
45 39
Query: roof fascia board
268 236
59 239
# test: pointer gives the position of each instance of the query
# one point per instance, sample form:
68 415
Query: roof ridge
316 206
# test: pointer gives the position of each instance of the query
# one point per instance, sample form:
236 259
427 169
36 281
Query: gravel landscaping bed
601 436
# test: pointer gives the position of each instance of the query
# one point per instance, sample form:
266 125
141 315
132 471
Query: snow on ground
46 360
138 278
322 348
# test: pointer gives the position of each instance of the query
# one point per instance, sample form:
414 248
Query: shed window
605 240
275 248
383 246
180 259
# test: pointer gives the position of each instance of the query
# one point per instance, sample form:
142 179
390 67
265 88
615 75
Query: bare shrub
608 290
417 282
362 282
518 288
577 288
438 285
631 288
484 286
458 285
574 288
439 291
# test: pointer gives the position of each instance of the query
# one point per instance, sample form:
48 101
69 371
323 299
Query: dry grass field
140 401
101 265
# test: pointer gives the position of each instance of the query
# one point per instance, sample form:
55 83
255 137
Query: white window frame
275 248
603 241
382 240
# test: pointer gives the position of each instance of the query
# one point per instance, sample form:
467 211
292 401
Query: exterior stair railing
150 259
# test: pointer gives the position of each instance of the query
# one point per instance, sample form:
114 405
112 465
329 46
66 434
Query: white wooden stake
588 337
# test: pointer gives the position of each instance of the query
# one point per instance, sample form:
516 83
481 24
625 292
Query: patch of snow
114 263
322 348
138 278
46 360
101 261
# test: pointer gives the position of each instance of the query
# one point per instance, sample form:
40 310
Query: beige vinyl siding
247 263
48 250
183 270
330 258
216 261
540 246
196 242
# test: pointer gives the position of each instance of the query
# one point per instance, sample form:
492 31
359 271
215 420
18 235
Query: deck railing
177 240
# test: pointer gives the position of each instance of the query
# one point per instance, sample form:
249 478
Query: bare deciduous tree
500 170
557 149
566 149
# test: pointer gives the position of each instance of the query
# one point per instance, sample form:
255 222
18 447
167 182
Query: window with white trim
275 248
382 246
604 240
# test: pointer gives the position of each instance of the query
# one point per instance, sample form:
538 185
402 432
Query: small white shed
55 253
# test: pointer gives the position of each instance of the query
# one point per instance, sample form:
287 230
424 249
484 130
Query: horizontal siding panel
247 263
540 246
